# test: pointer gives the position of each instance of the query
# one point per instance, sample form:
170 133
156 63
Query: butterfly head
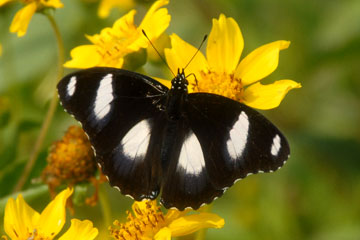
179 83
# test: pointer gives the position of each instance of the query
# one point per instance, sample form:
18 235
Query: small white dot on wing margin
127 195
203 204
236 180
117 188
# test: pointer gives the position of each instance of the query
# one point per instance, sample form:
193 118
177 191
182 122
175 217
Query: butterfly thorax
176 96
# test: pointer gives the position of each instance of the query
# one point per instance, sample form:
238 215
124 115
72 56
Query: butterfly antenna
143 31
205 37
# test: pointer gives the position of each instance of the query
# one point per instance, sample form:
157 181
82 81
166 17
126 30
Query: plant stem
50 113
105 205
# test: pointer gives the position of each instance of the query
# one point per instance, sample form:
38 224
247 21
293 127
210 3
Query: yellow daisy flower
106 5
148 222
22 222
109 48
22 18
221 73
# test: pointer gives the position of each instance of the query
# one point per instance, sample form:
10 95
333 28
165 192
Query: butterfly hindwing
237 141
117 109
186 181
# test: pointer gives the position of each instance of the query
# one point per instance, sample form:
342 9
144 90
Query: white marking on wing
191 156
104 96
70 89
276 144
136 141
238 136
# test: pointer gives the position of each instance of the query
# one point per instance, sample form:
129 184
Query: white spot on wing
70 89
104 96
275 147
238 136
136 140
191 156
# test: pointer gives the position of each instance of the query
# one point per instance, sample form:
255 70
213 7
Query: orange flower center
220 83
144 225
70 160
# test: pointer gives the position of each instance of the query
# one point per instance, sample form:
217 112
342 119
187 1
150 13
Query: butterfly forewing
118 109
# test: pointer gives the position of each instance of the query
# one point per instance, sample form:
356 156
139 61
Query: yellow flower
106 5
22 18
221 73
111 46
22 222
148 222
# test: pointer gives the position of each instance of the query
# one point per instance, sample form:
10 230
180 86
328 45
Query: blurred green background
316 195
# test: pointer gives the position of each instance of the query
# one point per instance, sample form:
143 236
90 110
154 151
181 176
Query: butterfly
150 140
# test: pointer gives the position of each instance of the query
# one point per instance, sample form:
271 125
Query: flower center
220 83
144 225
70 160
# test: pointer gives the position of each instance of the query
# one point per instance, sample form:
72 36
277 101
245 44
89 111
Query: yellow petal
268 96
173 214
260 62
192 223
20 219
225 45
155 22
123 27
106 5
22 19
84 56
156 17
163 234
3 2
52 3
80 230
52 218
179 55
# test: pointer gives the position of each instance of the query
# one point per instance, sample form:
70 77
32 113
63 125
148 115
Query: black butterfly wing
118 110
186 182
235 141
